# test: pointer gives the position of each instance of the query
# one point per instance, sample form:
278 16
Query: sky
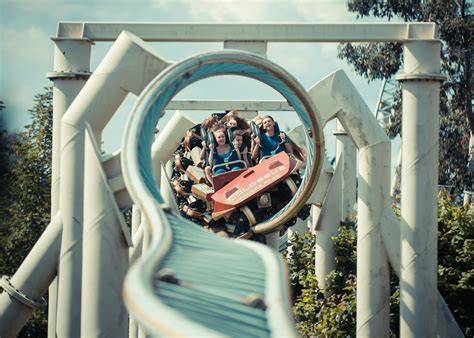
27 26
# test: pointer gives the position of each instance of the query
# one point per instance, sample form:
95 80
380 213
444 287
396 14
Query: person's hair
299 152
268 117
238 132
209 122
241 123
218 127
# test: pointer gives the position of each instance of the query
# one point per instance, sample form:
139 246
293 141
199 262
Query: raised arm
256 148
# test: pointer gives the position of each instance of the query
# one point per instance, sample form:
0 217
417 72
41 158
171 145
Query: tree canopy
383 60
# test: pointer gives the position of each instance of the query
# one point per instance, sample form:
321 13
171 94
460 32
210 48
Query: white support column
420 121
32 279
273 240
135 251
70 72
446 325
128 67
167 192
342 100
298 229
328 226
372 267
395 186
136 220
105 252
168 141
146 239
346 147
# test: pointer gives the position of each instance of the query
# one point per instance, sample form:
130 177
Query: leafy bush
315 314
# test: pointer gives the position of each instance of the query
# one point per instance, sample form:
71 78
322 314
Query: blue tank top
270 145
229 156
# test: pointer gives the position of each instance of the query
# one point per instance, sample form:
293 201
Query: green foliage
382 60
335 314
317 315
25 183
456 261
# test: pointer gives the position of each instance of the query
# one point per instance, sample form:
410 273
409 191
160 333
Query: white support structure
445 323
113 79
106 240
167 192
273 240
209 32
134 253
71 71
327 226
168 141
346 151
32 279
420 134
342 100
248 105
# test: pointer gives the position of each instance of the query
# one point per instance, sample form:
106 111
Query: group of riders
230 142
225 142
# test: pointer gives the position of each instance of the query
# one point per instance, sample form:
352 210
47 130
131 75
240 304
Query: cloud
326 11
230 10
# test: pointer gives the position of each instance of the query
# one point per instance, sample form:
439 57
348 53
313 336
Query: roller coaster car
252 182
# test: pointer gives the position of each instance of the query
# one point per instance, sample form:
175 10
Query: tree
383 60
25 184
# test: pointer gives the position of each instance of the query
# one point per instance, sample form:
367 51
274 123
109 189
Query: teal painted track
191 282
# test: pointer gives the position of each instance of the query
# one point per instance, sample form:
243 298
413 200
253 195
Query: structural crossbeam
290 32
247 105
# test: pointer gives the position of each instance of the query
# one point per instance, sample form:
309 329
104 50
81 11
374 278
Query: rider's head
258 120
219 134
268 123
231 123
238 139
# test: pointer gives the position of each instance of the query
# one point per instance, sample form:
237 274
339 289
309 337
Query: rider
223 152
240 145
272 141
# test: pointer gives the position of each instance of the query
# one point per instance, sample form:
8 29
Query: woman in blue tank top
223 153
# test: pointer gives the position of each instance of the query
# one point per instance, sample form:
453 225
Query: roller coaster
169 273
232 201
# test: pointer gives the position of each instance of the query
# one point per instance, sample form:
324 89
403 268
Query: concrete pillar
32 279
70 72
420 133
346 148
